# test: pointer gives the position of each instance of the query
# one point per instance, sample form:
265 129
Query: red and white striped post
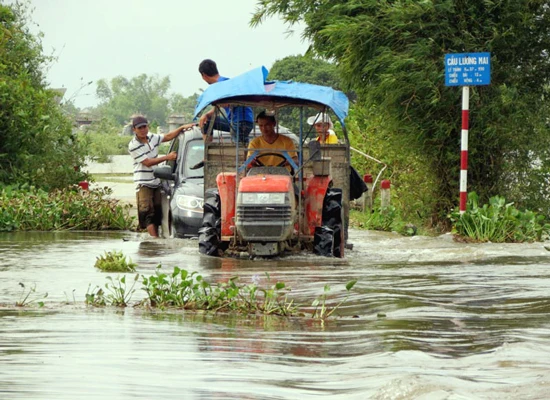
367 196
385 193
464 149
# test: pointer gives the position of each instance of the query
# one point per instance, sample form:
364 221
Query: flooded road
428 319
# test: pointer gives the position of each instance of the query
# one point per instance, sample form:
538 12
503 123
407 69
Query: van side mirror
165 173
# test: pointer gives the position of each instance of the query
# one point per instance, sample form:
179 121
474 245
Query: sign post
466 69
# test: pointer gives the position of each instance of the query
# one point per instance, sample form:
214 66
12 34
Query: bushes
413 182
35 209
498 222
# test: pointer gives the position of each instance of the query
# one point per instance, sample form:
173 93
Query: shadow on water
428 318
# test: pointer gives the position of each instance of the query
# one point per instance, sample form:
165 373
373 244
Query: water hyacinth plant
181 289
498 222
117 293
29 296
114 261
34 209
321 310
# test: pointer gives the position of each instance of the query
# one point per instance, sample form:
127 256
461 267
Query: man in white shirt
144 149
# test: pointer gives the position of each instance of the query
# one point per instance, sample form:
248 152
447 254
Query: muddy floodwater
428 319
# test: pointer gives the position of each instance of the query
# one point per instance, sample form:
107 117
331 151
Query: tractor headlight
263 198
189 203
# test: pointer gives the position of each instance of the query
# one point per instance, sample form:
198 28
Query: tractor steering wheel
281 164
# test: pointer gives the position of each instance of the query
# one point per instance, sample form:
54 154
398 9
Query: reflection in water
428 318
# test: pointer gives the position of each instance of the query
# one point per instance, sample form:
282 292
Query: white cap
321 117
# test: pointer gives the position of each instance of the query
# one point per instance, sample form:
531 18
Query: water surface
428 319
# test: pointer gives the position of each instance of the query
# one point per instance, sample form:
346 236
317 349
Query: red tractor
267 211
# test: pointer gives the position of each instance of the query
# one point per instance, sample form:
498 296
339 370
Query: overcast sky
95 39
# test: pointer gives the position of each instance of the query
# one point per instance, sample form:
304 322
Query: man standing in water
144 149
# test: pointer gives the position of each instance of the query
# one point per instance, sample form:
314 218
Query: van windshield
194 153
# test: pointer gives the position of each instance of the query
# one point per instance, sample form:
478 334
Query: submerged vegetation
321 310
35 209
498 222
183 290
116 293
29 296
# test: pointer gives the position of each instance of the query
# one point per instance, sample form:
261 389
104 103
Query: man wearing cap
144 149
323 125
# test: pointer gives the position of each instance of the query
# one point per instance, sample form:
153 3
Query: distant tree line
120 98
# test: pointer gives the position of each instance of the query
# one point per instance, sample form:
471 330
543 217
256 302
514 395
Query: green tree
183 105
303 69
36 142
391 53
122 97
306 69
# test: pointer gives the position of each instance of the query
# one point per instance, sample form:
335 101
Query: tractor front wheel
210 231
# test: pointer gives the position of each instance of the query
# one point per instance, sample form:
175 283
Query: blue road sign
467 69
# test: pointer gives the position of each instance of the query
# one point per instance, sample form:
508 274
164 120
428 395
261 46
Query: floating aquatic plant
28 296
114 261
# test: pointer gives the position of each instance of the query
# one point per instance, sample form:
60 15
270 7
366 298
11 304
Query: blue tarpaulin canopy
251 88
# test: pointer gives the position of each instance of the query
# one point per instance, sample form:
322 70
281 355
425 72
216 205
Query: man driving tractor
270 139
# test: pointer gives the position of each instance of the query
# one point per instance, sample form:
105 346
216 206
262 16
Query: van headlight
189 203
263 198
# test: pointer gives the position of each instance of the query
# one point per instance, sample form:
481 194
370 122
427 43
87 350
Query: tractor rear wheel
327 240
210 231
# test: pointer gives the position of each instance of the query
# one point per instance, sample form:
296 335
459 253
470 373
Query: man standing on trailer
239 121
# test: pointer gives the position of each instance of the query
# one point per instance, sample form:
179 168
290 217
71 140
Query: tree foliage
122 97
391 53
36 143
306 69
303 69
146 95
183 105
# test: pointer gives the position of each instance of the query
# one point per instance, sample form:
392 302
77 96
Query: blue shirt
239 113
